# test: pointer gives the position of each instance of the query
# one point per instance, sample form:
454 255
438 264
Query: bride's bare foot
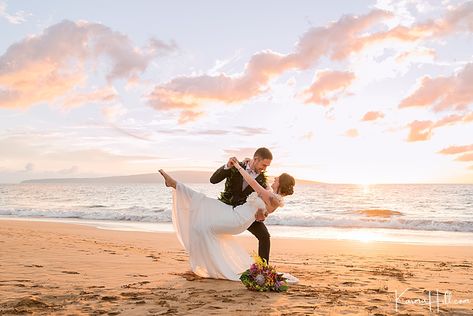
170 182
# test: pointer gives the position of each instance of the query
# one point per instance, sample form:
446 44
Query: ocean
410 213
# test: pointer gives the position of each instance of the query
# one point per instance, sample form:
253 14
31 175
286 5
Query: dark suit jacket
233 193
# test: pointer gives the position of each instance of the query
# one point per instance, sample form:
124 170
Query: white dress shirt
252 173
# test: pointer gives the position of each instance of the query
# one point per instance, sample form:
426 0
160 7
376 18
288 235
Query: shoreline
368 235
49 268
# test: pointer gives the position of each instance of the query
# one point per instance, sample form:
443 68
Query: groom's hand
260 215
230 161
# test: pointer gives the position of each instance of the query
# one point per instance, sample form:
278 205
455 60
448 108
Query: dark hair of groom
263 153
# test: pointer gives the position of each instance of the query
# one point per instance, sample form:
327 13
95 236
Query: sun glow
365 187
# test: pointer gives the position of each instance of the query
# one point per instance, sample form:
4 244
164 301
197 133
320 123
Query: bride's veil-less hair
286 184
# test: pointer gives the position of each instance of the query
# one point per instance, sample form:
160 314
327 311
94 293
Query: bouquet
263 278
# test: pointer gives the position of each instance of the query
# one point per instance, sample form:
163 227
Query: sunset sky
340 91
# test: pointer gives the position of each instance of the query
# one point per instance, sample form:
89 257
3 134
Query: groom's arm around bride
237 191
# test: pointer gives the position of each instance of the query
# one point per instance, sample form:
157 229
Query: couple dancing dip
205 226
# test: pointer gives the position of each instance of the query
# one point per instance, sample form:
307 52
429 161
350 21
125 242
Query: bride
205 225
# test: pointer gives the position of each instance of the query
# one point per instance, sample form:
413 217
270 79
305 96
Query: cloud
456 19
418 53
240 153
187 93
135 134
465 157
337 41
113 112
17 18
45 67
353 132
308 136
69 171
443 93
454 119
329 86
422 130
452 150
99 155
372 116
29 167
212 132
251 131
464 153
237 130
189 116
39 154
103 95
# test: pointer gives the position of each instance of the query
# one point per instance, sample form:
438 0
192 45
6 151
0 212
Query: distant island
186 176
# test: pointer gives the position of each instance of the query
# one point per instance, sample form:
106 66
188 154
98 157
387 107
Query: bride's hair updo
286 184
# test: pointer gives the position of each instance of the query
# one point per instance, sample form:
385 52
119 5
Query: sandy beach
65 269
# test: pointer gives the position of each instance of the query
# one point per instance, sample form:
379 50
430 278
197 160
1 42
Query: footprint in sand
134 296
153 257
28 303
127 286
110 298
70 272
189 276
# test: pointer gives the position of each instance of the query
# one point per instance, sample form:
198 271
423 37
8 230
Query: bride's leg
170 182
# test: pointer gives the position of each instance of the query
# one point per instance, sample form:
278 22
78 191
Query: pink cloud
454 119
50 65
111 113
421 52
103 95
456 19
422 130
336 41
353 132
466 152
465 157
443 93
329 86
372 116
452 150
189 116
308 136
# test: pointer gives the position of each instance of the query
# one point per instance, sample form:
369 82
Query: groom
237 191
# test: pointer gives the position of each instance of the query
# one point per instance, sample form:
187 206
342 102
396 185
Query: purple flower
277 285
260 279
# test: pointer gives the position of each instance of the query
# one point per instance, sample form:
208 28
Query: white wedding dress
205 227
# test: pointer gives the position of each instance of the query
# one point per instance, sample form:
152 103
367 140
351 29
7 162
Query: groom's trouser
261 233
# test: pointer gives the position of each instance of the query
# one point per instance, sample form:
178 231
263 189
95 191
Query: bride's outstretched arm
267 196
